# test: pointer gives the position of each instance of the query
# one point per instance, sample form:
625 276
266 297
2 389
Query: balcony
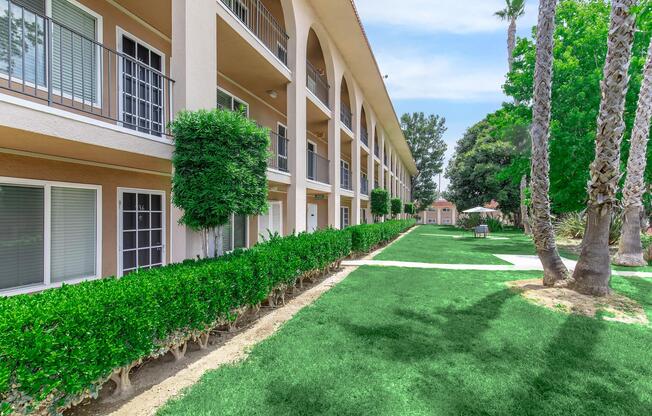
364 186
376 148
255 16
53 64
346 116
279 150
376 184
317 167
364 136
345 178
317 84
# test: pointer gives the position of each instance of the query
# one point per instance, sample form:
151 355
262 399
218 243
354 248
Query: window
141 86
345 175
271 222
234 235
142 230
344 217
227 101
51 233
282 147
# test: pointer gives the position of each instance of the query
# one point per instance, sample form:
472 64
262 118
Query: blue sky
445 57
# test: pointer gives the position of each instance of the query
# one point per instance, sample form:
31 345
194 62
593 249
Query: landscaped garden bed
60 346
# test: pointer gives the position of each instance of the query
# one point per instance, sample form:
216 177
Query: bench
481 231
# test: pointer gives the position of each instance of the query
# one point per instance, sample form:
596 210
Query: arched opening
346 116
364 131
316 73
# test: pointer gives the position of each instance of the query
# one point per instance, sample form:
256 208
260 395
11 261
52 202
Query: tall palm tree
555 272
593 271
630 252
512 11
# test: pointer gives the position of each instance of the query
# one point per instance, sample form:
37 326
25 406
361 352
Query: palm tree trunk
524 215
511 42
593 272
630 251
555 271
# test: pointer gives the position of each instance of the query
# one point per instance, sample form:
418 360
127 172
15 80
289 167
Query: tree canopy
424 135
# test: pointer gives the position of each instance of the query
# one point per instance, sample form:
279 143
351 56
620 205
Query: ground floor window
344 217
141 230
271 223
234 235
50 233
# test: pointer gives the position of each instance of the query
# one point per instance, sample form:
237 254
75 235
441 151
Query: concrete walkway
518 263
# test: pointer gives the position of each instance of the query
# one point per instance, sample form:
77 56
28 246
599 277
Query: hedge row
61 345
365 237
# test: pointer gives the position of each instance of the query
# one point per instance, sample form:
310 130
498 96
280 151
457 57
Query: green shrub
379 203
61 345
397 206
494 224
469 221
409 208
365 237
573 224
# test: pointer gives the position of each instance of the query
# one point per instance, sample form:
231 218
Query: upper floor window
228 101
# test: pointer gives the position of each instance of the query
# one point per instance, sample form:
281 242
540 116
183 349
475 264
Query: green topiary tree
220 169
397 207
409 208
379 203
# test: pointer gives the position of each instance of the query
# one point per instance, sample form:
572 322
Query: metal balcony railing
364 186
57 65
279 149
317 167
346 116
364 136
345 179
317 83
376 148
260 21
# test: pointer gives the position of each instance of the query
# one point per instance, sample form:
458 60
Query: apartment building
440 212
87 88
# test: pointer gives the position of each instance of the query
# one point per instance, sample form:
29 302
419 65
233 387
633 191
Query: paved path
518 263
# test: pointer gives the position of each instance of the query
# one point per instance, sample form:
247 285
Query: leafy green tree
379 203
486 149
409 208
425 138
580 48
397 207
220 169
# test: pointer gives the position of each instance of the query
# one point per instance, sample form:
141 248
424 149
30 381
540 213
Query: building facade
87 88
440 212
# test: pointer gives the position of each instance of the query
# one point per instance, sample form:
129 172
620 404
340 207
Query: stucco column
371 174
297 127
381 180
438 216
355 168
194 69
334 153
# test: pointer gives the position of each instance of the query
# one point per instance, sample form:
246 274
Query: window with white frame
271 223
50 233
141 86
235 235
141 230
228 101
344 217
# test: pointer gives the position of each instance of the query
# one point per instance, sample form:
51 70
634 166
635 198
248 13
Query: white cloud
441 16
415 75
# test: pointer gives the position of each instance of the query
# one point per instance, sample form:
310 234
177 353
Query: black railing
317 167
376 147
262 23
364 186
279 149
317 83
346 116
364 136
50 62
345 178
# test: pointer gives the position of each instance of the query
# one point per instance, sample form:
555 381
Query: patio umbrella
479 210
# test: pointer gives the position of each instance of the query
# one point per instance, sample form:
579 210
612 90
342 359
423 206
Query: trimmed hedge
59 346
397 206
366 237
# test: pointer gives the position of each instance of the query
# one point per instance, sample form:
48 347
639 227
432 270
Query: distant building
440 212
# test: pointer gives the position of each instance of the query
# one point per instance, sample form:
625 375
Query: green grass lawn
395 341
437 244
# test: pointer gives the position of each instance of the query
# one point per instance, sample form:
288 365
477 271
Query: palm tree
524 214
593 271
512 11
630 252
555 272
